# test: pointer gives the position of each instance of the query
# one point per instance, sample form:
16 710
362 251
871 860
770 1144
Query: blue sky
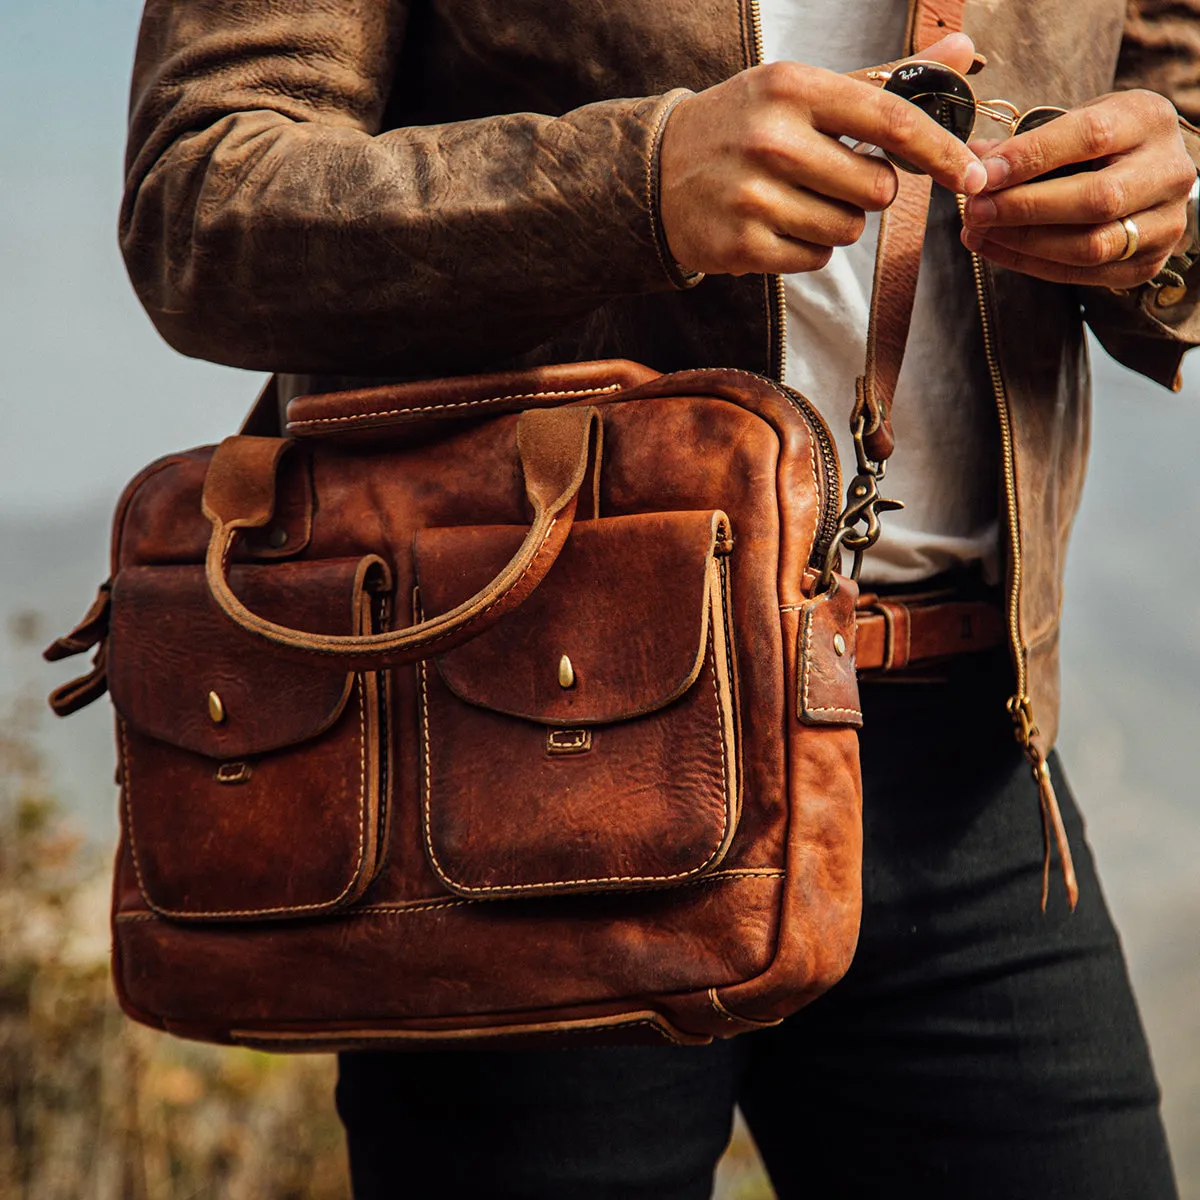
88 391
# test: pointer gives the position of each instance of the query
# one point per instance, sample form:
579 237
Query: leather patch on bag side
827 682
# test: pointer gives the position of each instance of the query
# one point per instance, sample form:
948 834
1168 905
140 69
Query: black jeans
977 1049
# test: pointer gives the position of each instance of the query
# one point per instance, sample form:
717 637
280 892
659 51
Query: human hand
1070 230
752 176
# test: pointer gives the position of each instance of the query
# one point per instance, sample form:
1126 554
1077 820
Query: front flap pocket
251 782
588 741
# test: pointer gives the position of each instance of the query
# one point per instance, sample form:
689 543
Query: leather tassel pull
1053 829
1052 821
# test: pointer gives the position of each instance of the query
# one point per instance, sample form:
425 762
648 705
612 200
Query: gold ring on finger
1133 238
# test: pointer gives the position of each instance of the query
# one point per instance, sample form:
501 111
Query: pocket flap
617 628
172 651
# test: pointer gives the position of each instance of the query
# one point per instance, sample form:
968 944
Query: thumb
955 50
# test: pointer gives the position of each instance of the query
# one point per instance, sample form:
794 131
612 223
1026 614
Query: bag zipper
1020 706
829 470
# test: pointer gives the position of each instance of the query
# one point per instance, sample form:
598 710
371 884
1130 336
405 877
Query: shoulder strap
897 267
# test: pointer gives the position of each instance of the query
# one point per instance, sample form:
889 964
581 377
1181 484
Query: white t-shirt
946 463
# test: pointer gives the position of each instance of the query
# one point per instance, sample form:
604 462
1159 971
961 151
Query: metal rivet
566 673
216 708
839 645
277 538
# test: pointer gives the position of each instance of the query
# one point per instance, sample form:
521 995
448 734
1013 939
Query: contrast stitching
324 905
559 884
428 408
252 1037
401 908
805 650
664 112
677 274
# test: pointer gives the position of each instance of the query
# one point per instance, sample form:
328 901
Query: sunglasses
943 94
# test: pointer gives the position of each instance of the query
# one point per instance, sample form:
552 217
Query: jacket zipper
774 282
1020 707
831 490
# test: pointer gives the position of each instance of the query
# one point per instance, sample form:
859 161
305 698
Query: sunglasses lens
1035 118
939 92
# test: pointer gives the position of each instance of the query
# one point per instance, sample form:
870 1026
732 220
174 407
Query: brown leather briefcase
495 709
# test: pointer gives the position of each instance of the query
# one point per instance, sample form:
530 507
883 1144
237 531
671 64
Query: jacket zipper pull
1027 735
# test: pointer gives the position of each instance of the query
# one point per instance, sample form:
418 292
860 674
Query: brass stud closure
566 673
277 538
216 708
839 645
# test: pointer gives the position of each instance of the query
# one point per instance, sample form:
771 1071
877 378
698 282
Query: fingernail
972 239
998 170
976 179
980 210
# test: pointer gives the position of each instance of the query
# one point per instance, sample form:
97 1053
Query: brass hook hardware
216 708
864 503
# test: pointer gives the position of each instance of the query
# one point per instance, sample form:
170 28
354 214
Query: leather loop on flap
550 442
555 448
239 489
627 603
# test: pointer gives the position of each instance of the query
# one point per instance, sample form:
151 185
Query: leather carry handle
555 448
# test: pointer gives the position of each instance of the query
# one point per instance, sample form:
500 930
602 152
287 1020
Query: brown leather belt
898 631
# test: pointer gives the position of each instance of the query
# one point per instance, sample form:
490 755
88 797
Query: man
385 189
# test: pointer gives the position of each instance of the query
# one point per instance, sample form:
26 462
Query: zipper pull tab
1027 734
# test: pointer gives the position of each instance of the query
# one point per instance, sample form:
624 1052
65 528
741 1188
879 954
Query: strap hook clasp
864 503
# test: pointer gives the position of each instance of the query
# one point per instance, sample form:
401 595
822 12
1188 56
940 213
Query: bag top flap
617 628
172 651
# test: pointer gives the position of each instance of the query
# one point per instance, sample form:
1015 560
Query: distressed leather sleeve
1160 51
269 223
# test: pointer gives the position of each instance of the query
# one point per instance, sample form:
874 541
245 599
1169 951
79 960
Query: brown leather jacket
409 188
